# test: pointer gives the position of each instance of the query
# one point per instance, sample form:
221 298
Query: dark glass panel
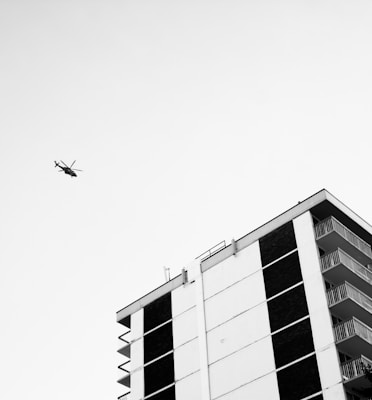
158 342
282 274
293 343
159 374
277 243
167 394
299 380
288 307
157 312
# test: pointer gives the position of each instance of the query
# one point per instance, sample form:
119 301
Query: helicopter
67 169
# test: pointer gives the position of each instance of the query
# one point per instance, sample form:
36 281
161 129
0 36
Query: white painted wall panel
335 393
186 359
136 323
234 300
136 352
242 367
189 388
232 270
265 388
328 364
238 332
320 319
185 327
137 385
313 281
183 298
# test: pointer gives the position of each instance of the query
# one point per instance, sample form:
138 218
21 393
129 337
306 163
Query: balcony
125 349
331 234
338 267
353 374
354 337
124 379
124 344
346 301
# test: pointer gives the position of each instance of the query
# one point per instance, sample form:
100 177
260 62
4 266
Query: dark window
293 343
299 380
315 220
328 285
159 374
158 342
335 320
157 312
350 396
288 307
167 394
343 357
282 274
277 243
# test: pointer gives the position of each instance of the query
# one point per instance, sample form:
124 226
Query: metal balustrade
353 326
125 367
213 250
338 257
125 350
345 291
331 224
336 294
355 368
125 337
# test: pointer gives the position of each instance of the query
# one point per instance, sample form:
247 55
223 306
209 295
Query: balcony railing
352 327
347 291
331 224
125 337
124 343
355 368
353 271
125 367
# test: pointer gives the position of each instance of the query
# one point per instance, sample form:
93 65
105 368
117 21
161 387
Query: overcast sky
194 122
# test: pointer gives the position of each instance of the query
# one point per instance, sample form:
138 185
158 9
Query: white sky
194 122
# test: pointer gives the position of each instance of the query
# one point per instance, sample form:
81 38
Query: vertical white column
320 320
137 381
195 274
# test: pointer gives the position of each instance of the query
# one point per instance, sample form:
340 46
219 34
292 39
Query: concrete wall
242 367
137 375
240 349
321 323
221 332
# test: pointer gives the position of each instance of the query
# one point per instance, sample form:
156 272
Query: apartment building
282 313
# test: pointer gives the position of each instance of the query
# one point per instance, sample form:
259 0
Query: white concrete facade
320 319
225 342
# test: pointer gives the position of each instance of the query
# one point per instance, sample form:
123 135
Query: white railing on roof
213 250
344 291
352 327
331 224
355 368
338 257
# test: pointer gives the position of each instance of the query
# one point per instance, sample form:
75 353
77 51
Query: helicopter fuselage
69 171
66 170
